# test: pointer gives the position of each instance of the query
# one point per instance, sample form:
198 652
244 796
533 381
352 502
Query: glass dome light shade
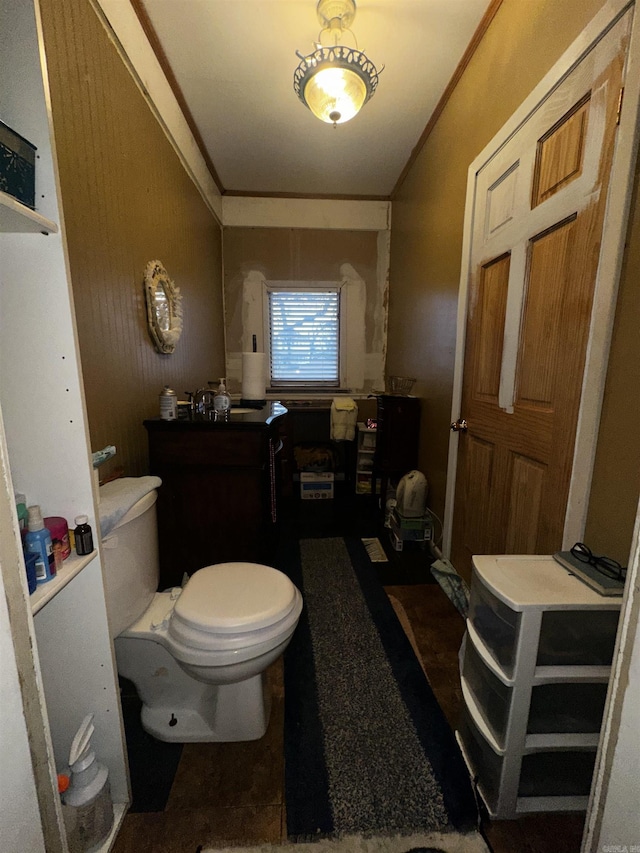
335 82
335 95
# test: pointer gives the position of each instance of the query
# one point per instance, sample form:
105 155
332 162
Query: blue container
38 542
30 563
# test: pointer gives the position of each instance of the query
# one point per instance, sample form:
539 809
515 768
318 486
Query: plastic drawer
577 637
495 623
493 698
557 774
555 708
486 764
566 708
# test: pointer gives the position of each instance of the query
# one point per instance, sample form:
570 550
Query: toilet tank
131 566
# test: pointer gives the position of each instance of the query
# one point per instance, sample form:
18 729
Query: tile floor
230 793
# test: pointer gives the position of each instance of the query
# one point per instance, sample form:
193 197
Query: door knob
459 426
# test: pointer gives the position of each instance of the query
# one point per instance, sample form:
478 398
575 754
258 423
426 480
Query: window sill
315 396
309 397
308 391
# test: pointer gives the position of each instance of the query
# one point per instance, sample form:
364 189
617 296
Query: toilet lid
234 597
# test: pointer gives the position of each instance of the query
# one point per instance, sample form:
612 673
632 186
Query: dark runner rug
368 750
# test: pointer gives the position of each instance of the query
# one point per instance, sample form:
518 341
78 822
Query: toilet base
178 708
227 713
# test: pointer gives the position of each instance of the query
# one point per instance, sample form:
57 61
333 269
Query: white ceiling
234 60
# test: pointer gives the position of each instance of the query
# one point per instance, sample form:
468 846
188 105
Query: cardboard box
316 486
363 484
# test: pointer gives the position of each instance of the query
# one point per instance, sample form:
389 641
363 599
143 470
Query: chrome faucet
191 397
203 402
198 402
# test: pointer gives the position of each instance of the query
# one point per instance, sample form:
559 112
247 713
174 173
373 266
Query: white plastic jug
411 495
88 807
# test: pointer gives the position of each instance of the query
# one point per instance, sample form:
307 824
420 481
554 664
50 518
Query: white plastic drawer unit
534 667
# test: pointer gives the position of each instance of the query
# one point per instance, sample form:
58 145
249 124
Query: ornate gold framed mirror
164 307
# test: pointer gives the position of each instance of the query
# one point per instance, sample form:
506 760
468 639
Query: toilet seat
229 598
233 610
212 614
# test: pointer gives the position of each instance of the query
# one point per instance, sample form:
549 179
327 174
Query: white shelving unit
55 645
17 218
534 666
365 452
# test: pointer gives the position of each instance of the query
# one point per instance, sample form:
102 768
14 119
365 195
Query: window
304 335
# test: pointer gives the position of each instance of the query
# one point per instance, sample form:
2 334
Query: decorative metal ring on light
335 82
354 62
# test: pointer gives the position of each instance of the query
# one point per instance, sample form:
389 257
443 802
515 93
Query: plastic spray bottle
38 541
89 816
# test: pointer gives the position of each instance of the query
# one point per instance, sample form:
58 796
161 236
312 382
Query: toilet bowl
197 654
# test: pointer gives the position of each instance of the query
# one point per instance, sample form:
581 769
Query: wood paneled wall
127 200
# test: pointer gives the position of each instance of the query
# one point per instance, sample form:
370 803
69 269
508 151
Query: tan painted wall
522 43
127 200
288 254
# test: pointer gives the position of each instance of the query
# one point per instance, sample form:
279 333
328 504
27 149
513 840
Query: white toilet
196 655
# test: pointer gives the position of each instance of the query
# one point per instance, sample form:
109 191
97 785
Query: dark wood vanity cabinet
218 498
397 437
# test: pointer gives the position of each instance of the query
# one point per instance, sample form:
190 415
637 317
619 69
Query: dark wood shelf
398 431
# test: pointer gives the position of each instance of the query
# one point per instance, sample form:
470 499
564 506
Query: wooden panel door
539 206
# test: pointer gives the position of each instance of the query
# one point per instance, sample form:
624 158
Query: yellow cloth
344 417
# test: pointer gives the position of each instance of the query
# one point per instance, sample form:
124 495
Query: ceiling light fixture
335 81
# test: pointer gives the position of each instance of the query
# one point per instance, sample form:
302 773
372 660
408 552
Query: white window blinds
304 336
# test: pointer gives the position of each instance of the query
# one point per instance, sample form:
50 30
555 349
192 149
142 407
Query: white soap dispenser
88 794
222 401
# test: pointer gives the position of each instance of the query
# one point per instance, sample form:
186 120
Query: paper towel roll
254 375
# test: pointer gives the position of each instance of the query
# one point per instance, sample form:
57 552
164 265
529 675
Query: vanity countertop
240 418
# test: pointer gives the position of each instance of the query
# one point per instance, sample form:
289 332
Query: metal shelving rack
365 452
